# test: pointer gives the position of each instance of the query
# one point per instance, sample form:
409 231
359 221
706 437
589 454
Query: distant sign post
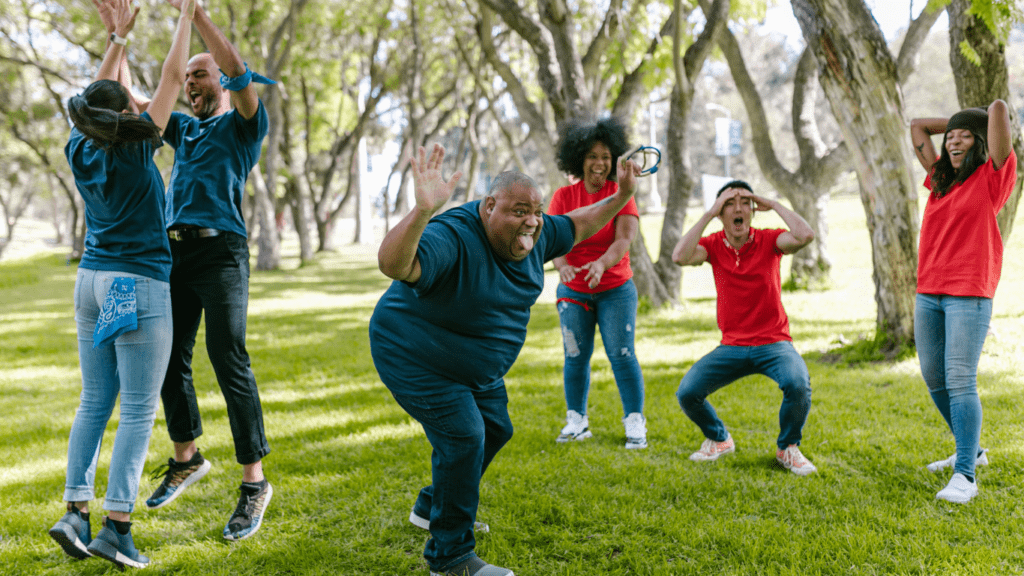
728 138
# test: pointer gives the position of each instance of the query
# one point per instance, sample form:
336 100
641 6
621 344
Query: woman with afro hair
596 287
959 262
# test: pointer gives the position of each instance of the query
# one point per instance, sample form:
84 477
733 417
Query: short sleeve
562 236
706 243
558 201
173 132
437 253
253 129
1004 180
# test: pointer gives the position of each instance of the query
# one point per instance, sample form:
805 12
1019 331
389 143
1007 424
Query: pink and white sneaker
791 459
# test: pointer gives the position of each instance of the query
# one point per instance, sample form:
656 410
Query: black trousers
212 275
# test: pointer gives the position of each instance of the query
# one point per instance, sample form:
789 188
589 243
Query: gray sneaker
636 431
577 427
474 566
177 477
73 534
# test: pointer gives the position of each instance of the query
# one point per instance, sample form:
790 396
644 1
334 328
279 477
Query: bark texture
860 79
979 85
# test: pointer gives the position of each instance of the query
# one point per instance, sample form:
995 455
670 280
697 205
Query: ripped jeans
615 312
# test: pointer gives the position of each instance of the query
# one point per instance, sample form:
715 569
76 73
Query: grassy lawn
347 461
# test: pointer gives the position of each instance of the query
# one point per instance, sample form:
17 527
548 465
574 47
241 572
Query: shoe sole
805 471
636 445
421 522
699 456
954 498
581 436
65 535
192 479
254 529
108 551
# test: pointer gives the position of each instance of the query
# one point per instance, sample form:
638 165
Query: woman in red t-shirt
596 287
959 262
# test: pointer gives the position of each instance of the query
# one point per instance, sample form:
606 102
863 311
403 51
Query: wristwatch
117 39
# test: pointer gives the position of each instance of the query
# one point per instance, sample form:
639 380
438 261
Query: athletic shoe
73 534
711 450
421 522
474 566
177 477
950 462
636 431
248 516
792 460
577 427
960 490
116 547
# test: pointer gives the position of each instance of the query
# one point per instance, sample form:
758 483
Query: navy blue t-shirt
464 321
124 207
212 159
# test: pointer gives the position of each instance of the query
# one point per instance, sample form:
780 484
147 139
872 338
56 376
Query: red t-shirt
569 198
749 288
961 251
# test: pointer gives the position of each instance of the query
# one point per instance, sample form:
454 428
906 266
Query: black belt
192 233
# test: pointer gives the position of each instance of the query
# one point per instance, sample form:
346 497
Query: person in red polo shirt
755 329
960 259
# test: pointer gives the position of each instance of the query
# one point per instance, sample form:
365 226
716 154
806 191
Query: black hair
944 176
735 184
97 113
580 134
508 179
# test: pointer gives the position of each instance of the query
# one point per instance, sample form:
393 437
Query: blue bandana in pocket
119 313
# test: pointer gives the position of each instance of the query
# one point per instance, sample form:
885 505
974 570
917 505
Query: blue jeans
133 366
211 275
465 429
726 364
949 332
614 311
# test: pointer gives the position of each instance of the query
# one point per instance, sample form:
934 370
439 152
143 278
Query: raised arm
999 145
800 233
397 255
105 8
230 62
921 132
687 251
589 219
123 19
172 75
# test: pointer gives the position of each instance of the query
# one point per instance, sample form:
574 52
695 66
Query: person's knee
688 395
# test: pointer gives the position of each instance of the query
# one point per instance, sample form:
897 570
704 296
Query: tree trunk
859 77
268 242
980 85
811 265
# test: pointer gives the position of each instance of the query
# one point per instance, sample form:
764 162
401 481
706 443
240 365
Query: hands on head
757 203
431 190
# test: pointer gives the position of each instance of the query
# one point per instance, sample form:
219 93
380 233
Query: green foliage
968 51
879 349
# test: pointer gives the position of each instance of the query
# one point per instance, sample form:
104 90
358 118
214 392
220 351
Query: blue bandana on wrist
119 313
239 83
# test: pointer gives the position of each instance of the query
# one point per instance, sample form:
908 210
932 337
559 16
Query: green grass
347 461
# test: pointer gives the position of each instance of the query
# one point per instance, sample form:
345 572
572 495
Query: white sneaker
951 462
636 431
711 450
960 490
793 460
577 427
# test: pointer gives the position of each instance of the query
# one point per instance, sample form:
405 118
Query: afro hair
579 136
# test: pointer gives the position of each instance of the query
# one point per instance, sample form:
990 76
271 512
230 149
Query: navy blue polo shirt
212 159
464 321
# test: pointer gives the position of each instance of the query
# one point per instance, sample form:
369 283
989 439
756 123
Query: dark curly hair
944 176
97 113
579 135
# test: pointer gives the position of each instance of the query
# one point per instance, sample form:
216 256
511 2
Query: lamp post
728 115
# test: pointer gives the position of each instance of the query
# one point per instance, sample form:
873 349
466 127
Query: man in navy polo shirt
451 325
213 154
755 329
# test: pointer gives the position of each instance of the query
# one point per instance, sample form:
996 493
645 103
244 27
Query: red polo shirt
749 288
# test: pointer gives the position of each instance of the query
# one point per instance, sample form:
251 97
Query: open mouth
526 241
194 96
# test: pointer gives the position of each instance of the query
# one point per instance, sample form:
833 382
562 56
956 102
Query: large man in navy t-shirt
213 154
446 332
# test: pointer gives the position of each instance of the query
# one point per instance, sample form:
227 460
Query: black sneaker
248 516
474 566
73 534
177 477
116 547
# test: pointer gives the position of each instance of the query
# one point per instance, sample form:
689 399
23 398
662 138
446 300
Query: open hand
567 273
431 189
760 204
106 10
124 17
